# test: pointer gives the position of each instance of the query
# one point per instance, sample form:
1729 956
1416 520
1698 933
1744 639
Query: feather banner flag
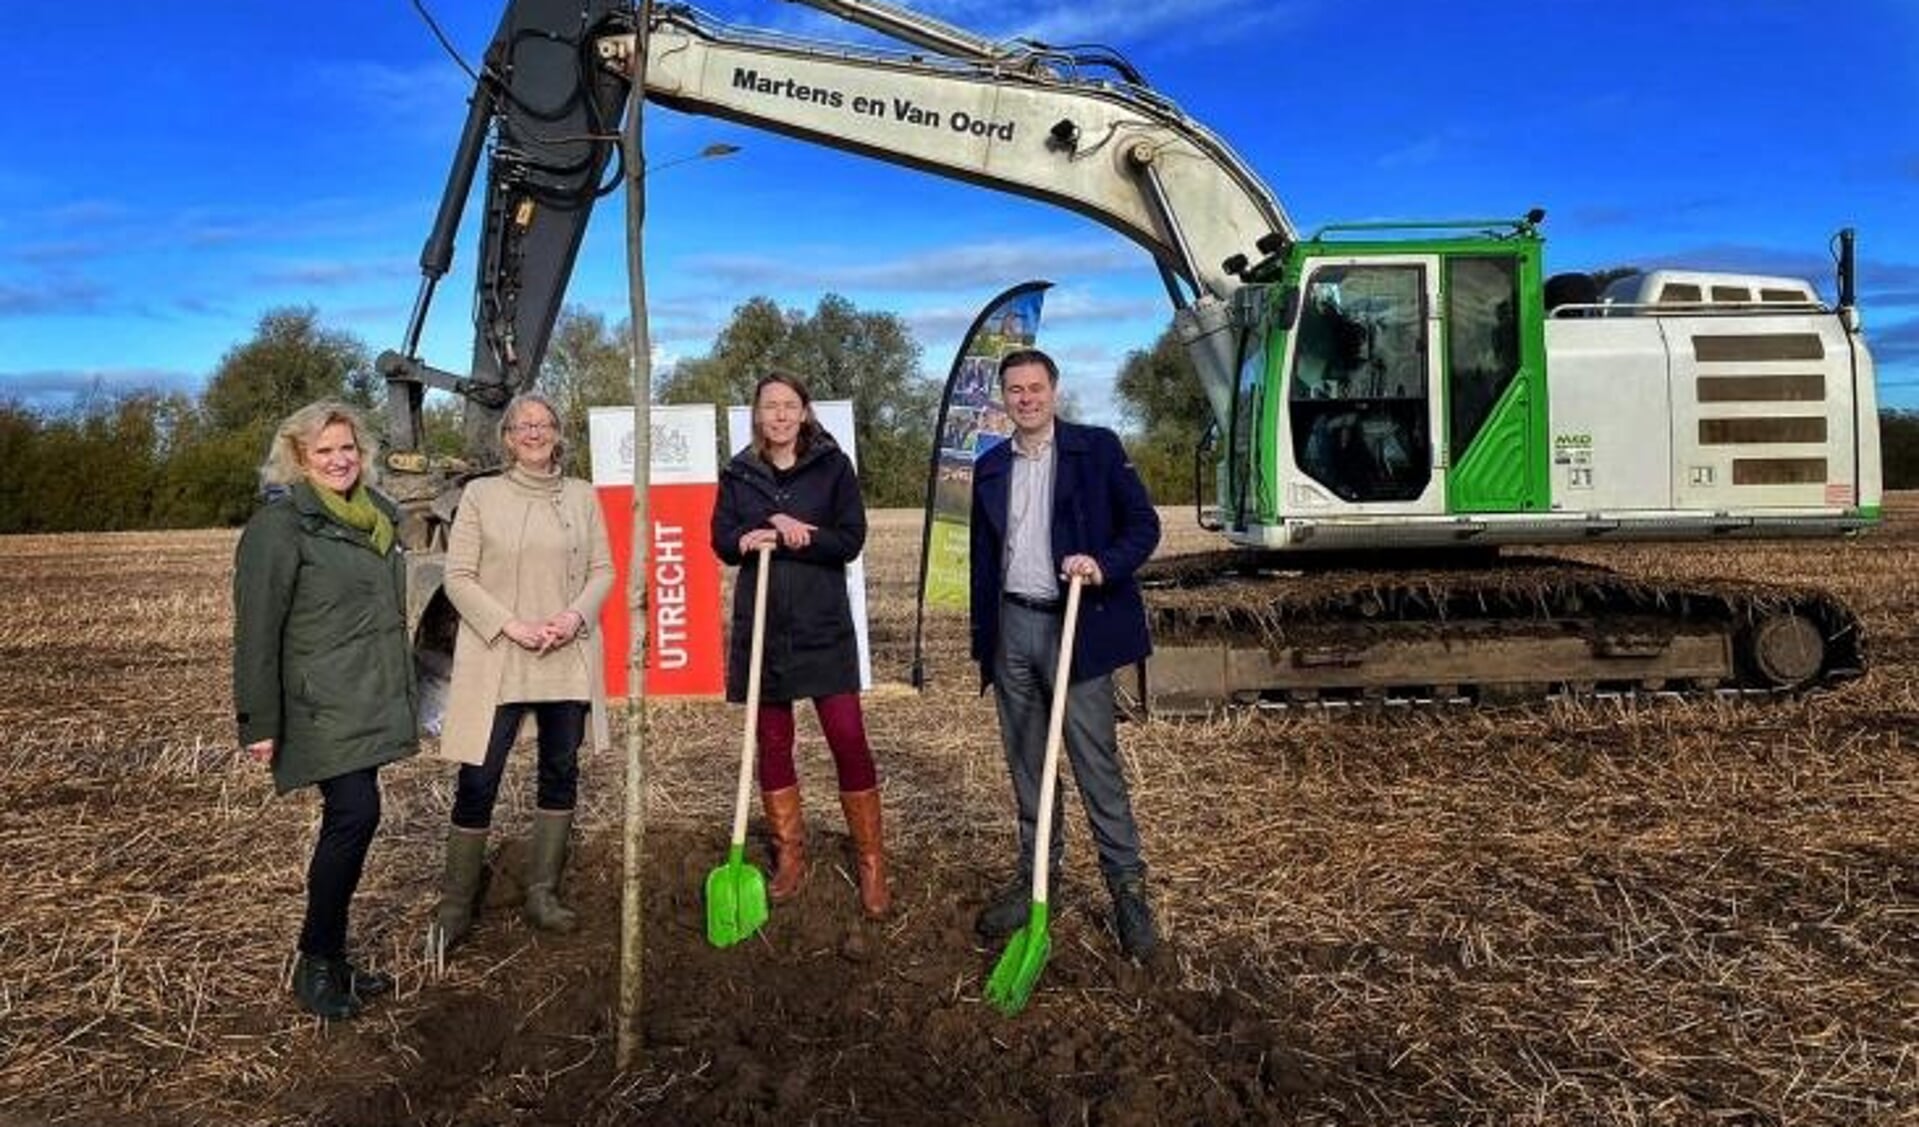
971 421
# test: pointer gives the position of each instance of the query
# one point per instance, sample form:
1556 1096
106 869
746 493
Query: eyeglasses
533 428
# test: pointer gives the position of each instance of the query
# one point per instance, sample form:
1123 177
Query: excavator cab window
1360 388
1482 341
1246 494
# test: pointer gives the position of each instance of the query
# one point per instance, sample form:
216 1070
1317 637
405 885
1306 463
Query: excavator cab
1358 395
1389 378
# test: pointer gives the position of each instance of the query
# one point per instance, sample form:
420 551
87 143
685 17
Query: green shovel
1011 983
736 891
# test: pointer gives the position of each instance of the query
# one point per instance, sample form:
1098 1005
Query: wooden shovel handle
749 737
1055 731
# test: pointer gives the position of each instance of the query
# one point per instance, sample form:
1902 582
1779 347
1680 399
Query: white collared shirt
1028 555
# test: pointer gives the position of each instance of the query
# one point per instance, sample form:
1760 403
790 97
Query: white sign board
682 445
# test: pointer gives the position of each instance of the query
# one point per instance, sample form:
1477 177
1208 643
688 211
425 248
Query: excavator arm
553 117
1017 117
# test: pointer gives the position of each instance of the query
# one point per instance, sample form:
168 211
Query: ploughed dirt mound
820 1017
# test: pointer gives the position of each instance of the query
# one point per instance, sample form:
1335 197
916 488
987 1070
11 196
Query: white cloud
427 92
334 273
965 266
1423 151
55 390
940 325
1170 24
70 250
87 213
1077 305
53 297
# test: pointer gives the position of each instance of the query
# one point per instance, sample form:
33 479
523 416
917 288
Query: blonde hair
285 461
511 413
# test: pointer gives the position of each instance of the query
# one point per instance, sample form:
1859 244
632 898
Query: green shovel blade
735 900
1011 984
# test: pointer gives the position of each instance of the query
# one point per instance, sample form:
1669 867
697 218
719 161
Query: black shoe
1008 911
324 987
367 983
1133 916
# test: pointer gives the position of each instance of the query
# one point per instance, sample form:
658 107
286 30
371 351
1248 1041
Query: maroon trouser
845 729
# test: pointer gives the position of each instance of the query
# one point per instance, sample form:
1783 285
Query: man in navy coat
1057 500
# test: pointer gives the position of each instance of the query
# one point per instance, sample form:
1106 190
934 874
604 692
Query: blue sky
173 171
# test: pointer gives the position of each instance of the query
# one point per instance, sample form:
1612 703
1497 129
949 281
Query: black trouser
561 725
349 813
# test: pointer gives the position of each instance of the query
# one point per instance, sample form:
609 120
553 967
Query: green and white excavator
1393 404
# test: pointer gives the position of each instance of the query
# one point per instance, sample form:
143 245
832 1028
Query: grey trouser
1023 673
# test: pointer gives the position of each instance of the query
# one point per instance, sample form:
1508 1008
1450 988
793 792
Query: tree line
151 459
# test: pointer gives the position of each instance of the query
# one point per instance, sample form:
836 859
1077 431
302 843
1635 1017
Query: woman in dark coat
322 676
794 489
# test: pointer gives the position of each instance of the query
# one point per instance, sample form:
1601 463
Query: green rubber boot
459 891
543 864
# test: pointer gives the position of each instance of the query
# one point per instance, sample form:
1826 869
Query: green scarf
359 511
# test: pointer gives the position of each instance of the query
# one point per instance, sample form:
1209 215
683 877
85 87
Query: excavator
1396 408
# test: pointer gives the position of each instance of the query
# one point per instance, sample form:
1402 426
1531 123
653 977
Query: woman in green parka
322 678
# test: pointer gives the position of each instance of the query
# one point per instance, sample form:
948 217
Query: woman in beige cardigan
527 567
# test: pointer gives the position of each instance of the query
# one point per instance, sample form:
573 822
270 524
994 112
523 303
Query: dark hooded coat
810 648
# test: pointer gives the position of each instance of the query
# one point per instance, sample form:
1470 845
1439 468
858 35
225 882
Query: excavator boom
1117 153
1017 118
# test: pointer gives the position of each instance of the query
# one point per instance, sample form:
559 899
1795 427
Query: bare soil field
1594 912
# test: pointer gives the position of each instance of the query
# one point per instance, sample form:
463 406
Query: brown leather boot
787 823
862 809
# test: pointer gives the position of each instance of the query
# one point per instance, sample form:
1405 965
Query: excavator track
1235 629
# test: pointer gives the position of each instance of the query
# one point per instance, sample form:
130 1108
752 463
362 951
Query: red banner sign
685 651
684 655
